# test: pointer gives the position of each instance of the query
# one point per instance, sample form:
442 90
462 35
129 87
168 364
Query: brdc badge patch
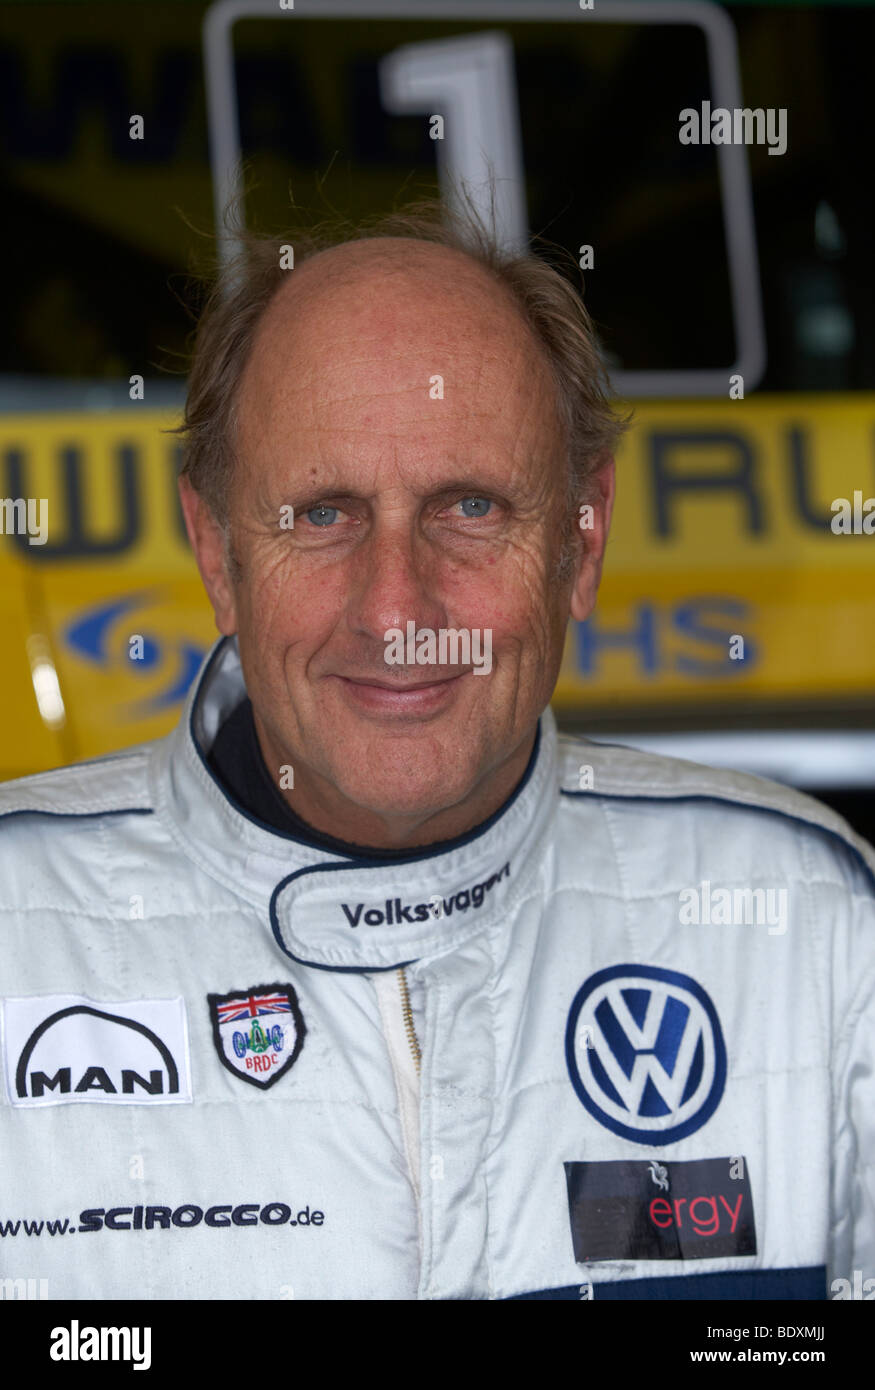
258 1032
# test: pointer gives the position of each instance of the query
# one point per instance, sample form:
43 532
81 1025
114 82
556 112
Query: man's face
436 502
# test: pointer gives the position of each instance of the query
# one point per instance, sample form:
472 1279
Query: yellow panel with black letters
723 580
722 530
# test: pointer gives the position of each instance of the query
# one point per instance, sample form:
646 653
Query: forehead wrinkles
349 347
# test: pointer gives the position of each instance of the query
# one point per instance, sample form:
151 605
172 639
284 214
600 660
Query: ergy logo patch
649 1210
61 1048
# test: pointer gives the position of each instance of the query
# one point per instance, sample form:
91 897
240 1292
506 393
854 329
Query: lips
392 700
398 686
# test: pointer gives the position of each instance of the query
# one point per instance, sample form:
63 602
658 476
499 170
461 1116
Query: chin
401 799
392 797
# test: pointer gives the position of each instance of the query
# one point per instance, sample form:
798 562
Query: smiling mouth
396 688
392 701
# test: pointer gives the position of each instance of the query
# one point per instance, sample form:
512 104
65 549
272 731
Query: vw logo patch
645 1052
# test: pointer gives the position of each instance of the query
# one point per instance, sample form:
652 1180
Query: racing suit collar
339 913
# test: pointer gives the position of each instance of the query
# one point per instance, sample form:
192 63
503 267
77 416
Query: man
364 984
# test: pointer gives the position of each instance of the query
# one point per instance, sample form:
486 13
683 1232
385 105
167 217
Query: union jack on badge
258 1032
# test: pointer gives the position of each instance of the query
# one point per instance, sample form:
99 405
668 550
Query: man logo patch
60 1048
258 1032
645 1053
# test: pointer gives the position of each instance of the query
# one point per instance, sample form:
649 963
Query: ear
208 543
591 551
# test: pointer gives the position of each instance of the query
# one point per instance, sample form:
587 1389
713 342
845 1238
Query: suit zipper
405 1058
407 1013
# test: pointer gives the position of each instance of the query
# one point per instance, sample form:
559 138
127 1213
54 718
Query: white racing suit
617 1042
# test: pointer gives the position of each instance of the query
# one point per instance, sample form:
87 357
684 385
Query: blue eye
322 516
480 505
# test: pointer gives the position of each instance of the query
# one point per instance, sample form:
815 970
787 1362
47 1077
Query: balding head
246 287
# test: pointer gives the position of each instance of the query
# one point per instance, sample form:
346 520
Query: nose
393 582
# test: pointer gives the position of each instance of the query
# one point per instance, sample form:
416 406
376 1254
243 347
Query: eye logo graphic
99 636
653 1069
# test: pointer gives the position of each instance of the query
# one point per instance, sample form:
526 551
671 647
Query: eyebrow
317 487
469 483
